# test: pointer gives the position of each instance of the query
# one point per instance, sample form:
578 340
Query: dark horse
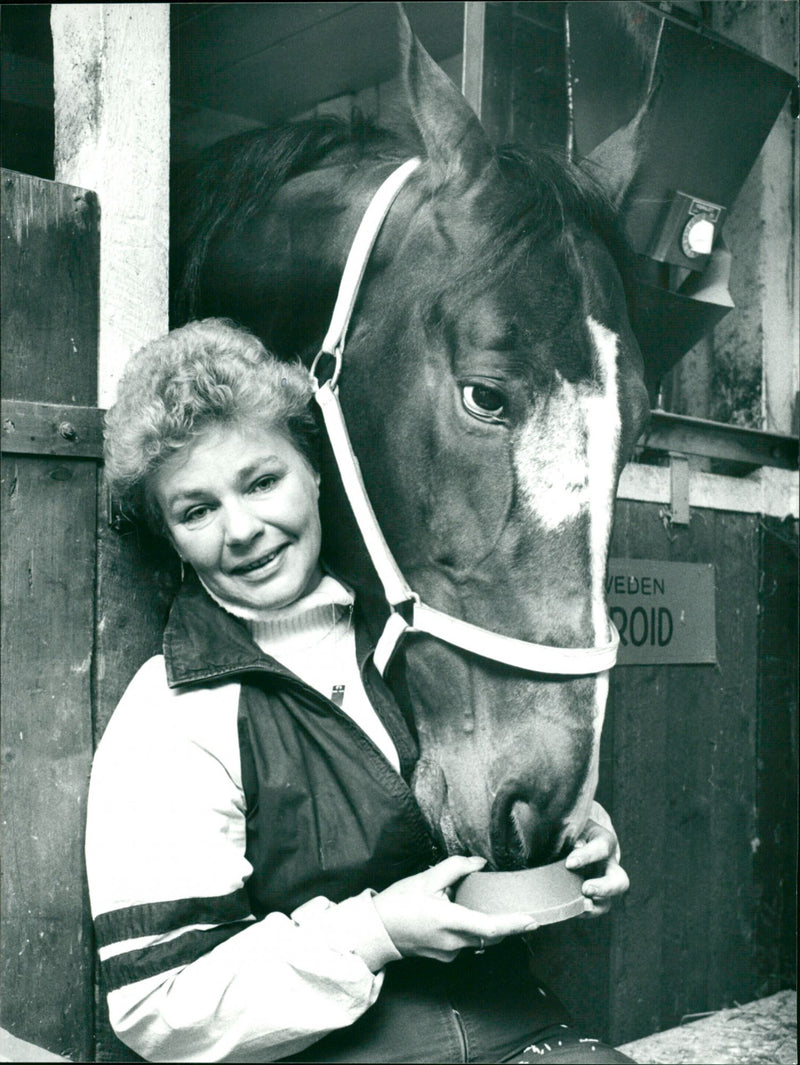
493 391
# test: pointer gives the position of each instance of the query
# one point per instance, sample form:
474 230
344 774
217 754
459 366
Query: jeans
479 1008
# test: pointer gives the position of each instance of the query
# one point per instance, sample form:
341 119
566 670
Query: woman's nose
241 524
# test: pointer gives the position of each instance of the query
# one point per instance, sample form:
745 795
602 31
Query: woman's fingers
486 929
601 891
450 871
613 882
597 844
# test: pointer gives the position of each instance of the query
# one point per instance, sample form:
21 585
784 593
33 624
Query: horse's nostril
513 824
523 822
521 834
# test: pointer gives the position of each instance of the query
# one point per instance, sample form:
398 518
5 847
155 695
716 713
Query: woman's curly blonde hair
205 373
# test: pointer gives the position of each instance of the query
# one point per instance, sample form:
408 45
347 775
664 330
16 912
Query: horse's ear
455 141
616 160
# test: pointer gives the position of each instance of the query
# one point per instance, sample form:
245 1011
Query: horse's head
493 391
496 390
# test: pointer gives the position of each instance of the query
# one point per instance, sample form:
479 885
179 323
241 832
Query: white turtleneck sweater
314 638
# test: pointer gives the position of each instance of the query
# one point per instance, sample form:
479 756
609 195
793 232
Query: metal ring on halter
482 948
337 357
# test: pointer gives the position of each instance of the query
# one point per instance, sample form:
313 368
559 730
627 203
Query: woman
262 881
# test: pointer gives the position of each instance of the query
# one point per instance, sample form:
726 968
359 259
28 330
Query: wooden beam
111 74
51 429
472 63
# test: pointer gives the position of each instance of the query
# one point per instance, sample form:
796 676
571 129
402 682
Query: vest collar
204 643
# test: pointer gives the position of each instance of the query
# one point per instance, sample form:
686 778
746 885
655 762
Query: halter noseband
533 657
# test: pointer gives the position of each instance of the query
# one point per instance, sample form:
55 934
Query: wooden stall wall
698 769
49 309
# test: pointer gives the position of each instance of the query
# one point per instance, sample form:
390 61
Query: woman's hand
422 921
598 844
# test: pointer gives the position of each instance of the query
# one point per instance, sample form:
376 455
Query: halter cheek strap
533 657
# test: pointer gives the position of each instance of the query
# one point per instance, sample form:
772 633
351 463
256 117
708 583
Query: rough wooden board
761 1033
775 859
48 523
48 290
683 740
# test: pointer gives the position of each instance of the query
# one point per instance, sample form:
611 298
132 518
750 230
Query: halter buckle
337 368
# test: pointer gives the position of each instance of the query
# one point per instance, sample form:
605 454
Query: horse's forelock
538 200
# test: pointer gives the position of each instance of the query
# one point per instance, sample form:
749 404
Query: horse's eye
484 402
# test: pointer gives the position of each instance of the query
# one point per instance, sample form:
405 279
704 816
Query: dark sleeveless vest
326 813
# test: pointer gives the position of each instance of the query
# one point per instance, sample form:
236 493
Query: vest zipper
462 1035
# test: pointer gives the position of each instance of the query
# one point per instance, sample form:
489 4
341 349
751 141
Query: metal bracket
679 489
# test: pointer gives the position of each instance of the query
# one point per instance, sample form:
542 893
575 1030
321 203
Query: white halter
534 657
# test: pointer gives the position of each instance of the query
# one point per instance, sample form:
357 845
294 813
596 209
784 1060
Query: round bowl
549 893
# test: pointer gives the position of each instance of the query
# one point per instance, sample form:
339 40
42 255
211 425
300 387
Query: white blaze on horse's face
564 474
573 472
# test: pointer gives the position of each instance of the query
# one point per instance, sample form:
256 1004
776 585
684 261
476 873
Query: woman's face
241 505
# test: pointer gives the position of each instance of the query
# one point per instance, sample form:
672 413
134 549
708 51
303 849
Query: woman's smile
241 506
259 566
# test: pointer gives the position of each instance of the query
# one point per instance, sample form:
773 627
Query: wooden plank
48 290
684 792
731 786
48 561
51 429
639 726
472 64
775 842
696 436
137 577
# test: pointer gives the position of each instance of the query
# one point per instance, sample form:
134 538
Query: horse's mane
226 184
238 176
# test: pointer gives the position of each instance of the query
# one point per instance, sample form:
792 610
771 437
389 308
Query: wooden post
764 282
111 74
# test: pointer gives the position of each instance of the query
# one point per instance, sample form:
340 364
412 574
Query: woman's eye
195 514
484 402
263 484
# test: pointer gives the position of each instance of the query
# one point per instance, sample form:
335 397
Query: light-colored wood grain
111 74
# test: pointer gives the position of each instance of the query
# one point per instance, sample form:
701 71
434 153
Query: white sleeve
191 974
